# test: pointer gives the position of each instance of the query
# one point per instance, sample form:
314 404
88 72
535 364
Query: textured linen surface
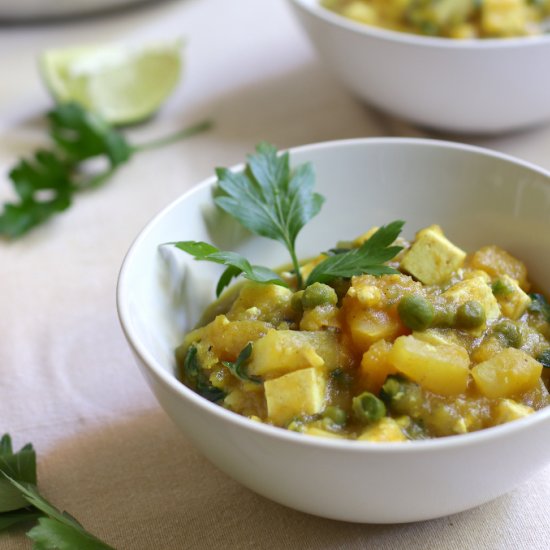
68 383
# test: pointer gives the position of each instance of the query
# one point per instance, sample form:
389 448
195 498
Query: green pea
509 333
296 301
368 408
402 396
500 288
416 312
470 315
336 415
544 358
318 294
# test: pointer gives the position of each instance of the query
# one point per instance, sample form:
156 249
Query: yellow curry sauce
449 18
451 344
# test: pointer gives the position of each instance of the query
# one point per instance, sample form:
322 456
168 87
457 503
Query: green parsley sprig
238 367
368 258
269 199
273 201
21 503
236 264
46 183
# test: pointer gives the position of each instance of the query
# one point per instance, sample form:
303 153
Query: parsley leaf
46 183
20 502
236 264
20 466
238 368
368 258
59 530
82 134
25 515
539 304
195 376
269 199
544 358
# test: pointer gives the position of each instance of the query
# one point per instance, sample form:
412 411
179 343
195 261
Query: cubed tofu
386 430
507 410
477 289
504 17
512 300
441 368
510 372
432 258
295 394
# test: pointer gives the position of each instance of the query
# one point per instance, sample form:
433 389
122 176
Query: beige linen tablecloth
107 453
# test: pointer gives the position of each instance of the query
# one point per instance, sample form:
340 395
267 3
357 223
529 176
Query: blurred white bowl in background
466 86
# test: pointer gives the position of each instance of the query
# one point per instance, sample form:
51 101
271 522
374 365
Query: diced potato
282 351
432 258
508 410
513 301
271 302
321 318
497 262
489 347
295 394
386 430
442 368
437 336
228 338
375 367
474 288
370 325
503 17
361 12
508 373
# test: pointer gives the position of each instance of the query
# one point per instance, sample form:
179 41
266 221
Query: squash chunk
375 366
295 394
508 373
282 351
432 258
497 262
442 368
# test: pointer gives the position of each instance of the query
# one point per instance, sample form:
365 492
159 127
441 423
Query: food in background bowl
463 86
449 18
477 195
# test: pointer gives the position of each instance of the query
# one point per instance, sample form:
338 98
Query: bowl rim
172 384
314 8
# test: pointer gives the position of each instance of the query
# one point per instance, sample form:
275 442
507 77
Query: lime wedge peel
124 84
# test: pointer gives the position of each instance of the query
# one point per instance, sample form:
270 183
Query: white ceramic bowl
478 196
466 86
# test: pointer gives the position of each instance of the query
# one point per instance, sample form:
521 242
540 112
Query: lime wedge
123 84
